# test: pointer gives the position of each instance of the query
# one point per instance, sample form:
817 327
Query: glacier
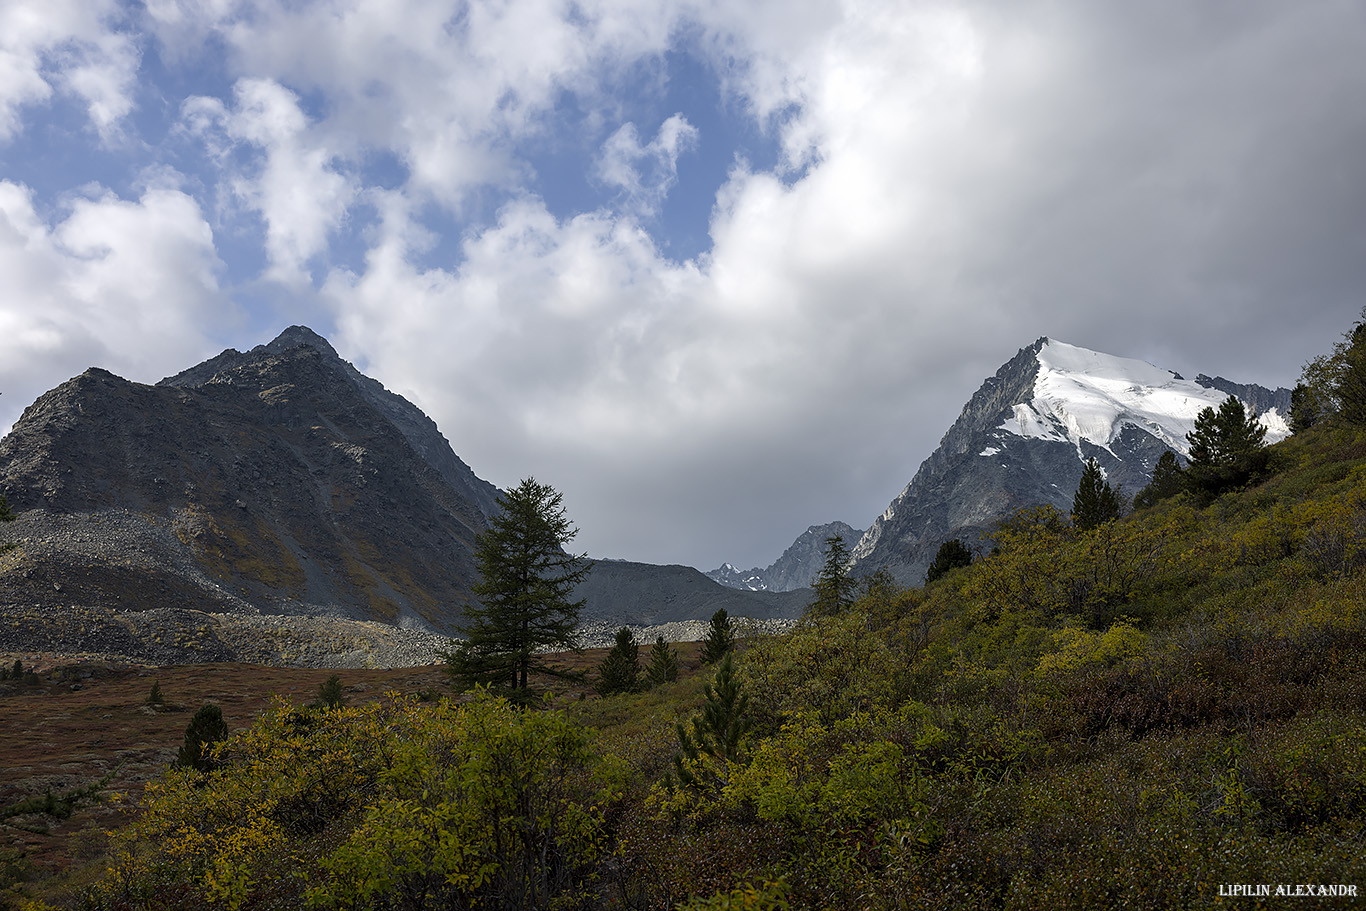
1085 396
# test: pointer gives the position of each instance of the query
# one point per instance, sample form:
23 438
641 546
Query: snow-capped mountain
796 568
1024 436
731 576
1082 396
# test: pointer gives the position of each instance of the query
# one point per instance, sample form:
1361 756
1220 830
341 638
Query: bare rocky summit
272 486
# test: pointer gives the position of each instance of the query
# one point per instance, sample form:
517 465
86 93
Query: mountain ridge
797 566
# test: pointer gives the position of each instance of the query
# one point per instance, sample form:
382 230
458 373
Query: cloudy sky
716 270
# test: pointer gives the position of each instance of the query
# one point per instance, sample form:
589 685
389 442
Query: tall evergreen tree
1168 481
951 555
1095 503
620 670
720 637
663 667
833 586
1227 450
1305 408
526 580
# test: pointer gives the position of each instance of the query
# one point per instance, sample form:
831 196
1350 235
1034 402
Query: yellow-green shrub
387 804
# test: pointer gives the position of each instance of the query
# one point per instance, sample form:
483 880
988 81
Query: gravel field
164 637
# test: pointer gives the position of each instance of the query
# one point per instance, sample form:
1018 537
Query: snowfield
1085 395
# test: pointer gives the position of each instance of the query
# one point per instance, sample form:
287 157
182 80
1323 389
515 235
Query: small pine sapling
663 666
620 670
717 735
720 638
205 729
331 695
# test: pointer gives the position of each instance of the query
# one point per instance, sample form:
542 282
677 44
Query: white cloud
67 45
297 189
448 91
644 173
127 285
954 179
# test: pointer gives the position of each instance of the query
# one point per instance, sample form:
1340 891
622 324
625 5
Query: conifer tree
154 698
720 638
951 555
206 728
1304 408
1227 449
1352 385
1168 481
331 694
526 580
1333 385
718 732
1094 503
833 586
663 667
620 670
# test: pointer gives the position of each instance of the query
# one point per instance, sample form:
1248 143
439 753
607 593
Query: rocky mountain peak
1023 437
796 568
280 480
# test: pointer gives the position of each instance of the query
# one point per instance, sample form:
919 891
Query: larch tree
835 589
525 590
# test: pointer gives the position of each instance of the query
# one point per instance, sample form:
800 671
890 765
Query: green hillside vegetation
1130 715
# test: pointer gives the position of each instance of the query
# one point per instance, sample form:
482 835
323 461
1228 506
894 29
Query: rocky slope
273 485
1023 438
798 566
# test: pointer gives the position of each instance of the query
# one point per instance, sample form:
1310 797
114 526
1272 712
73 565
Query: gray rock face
419 430
1018 444
274 474
798 566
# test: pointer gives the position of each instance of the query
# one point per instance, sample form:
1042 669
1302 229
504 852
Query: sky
716 271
